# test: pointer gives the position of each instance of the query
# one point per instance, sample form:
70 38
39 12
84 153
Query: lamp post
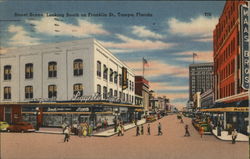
37 113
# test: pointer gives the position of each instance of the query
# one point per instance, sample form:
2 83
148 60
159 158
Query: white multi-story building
81 72
61 70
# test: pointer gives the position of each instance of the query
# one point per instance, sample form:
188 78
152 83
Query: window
115 77
78 89
111 75
115 93
105 91
52 69
120 94
52 89
132 86
7 72
99 69
111 92
120 80
78 67
28 70
7 93
28 92
105 72
99 89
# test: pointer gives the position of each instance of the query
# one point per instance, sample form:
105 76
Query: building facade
142 89
77 71
200 78
231 64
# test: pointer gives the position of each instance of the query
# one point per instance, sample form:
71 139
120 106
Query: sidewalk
106 133
111 132
50 130
224 136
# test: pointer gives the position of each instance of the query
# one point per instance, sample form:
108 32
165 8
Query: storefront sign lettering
244 47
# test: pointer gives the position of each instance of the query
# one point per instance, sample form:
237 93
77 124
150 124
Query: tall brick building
230 67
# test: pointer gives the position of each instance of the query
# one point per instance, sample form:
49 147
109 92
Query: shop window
105 72
7 93
78 89
28 92
52 91
28 70
7 72
52 69
99 89
111 75
78 67
99 69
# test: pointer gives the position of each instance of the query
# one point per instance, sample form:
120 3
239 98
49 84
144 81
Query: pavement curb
227 140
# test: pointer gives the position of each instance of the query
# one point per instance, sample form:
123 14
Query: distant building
142 92
207 99
197 100
200 78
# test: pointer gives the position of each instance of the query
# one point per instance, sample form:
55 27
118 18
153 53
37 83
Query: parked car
151 118
3 125
21 127
207 128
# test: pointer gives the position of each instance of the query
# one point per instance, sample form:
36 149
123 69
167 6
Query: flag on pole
195 55
145 62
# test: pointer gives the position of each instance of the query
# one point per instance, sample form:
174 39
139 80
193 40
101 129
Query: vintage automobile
3 125
206 127
151 118
21 127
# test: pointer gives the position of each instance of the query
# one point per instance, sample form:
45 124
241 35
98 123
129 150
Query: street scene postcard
124 79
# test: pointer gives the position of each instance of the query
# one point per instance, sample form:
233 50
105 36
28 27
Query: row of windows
113 75
228 70
227 90
52 69
114 93
52 91
227 53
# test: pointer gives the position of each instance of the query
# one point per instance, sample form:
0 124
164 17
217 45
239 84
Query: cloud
166 86
134 44
142 32
21 37
202 56
201 27
84 28
158 68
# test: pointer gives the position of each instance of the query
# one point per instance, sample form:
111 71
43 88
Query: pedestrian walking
201 131
159 129
142 129
137 130
186 131
148 129
234 136
66 133
182 120
123 130
119 130
79 130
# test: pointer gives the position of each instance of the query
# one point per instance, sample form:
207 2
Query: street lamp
37 113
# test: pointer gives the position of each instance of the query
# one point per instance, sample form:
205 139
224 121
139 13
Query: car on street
3 125
21 127
151 118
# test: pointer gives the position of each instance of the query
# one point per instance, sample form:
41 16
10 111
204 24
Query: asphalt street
171 145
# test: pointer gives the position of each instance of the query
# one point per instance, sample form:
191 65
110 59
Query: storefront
10 113
235 115
55 114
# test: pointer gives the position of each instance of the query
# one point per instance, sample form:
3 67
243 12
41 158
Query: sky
165 33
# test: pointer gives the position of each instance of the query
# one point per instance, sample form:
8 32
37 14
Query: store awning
227 109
